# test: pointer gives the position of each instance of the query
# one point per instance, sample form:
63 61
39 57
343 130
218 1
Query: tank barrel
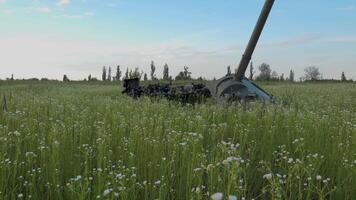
246 58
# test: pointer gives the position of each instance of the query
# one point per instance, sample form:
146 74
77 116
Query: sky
50 38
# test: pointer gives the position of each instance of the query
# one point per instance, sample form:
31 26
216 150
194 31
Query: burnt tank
228 88
189 93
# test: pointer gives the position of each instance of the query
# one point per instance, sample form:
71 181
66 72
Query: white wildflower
290 160
268 176
217 196
107 192
16 133
210 166
78 178
232 197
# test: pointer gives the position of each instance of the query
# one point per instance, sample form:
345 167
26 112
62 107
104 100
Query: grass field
87 141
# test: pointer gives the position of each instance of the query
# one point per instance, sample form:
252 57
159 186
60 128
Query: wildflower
106 192
196 169
225 162
20 195
290 160
196 190
268 176
77 178
232 197
121 188
183 143
217 196
318 177
30 154
210 166
16 133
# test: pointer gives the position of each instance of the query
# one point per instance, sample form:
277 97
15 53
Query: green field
87 141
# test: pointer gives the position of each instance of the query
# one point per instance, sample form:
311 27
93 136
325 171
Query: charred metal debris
189 93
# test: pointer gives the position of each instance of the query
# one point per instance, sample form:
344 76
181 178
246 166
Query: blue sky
42 38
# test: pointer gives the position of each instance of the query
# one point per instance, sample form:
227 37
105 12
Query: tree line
265 73
311 73
107 75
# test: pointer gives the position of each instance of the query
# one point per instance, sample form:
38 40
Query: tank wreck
235 87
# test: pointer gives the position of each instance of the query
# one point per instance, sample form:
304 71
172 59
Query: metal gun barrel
246 58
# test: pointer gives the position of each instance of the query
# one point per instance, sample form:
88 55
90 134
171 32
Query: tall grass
87 141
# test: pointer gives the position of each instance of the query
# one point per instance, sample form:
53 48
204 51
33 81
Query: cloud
62 2
75 16
53 56
69 16
345 38
111 5
298 40
288 42
41 9
88 14
8 11
347 8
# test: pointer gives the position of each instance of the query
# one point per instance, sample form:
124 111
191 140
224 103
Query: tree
180 76
281 78
12 77
265 72
126 73
89 77
145 77
291 76
312 73
187 73
184 75
135 74
103 76
118 73
165 72
109 74
252 71
343 77
153 70
65 78
228 71
274 76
